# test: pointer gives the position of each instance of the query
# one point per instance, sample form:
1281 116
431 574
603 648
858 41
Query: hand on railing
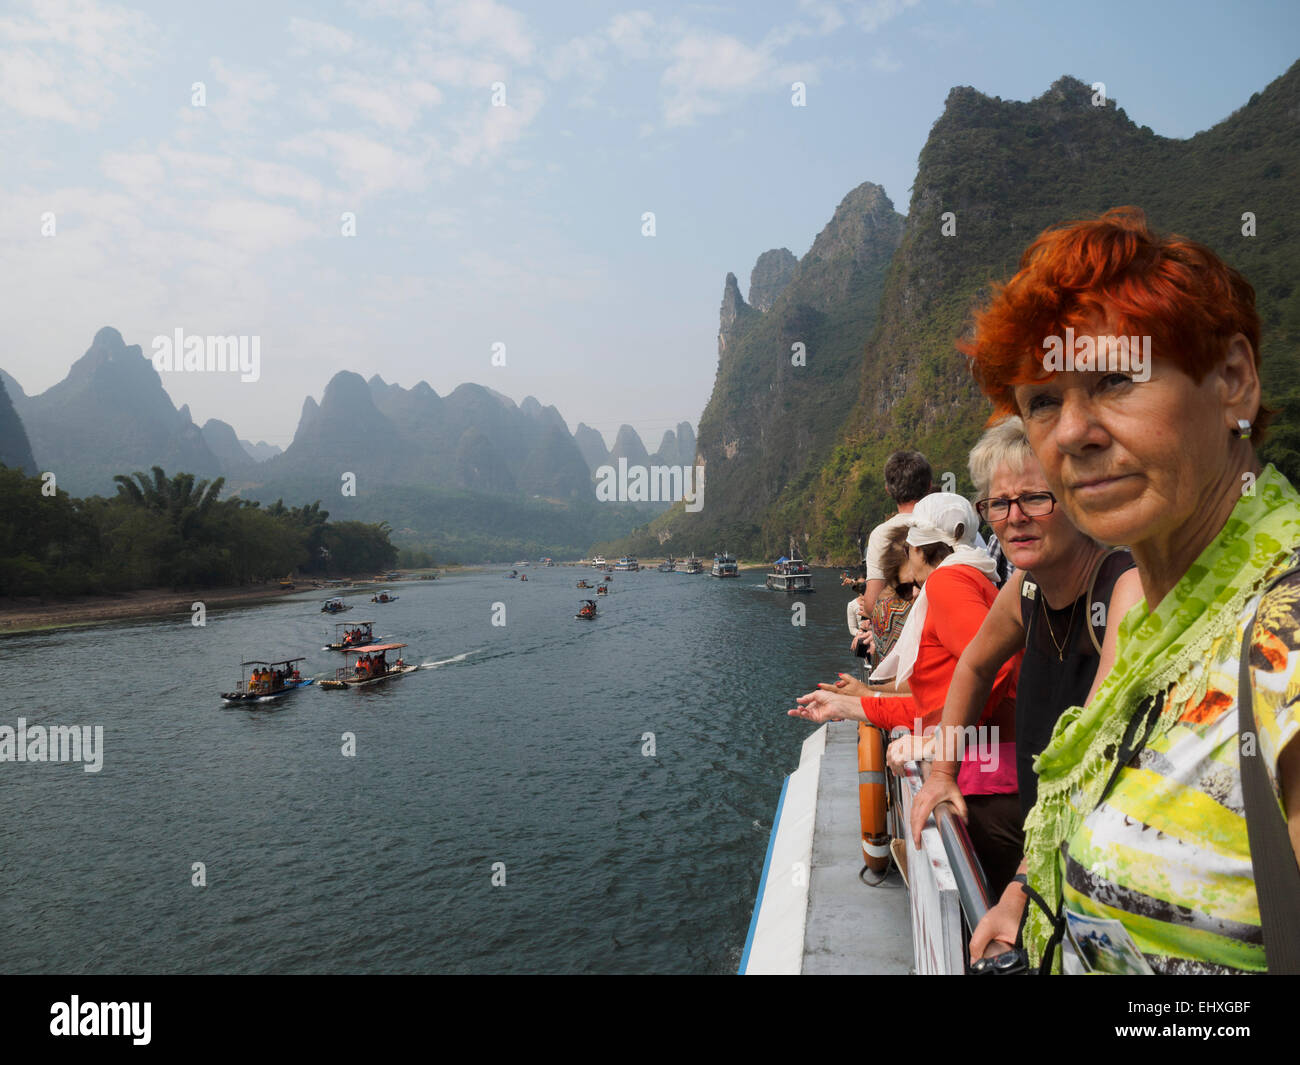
909 748
940 786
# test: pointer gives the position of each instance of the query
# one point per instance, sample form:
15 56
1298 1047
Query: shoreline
21 618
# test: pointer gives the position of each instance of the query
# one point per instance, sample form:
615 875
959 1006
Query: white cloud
883 60
239 94
827 19
310 36
366 166
486 24
385 102
255 226
707 71
629 33
278 181
491 129
875 13
60 60
137 171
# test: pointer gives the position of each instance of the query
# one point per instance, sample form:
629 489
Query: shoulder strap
1277 878
1092 592
1143 721
1029 593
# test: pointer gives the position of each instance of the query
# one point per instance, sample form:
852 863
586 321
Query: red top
959 600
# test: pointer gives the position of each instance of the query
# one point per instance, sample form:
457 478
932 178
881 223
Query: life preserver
872 799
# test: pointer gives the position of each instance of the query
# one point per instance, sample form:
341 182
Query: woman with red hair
1133 359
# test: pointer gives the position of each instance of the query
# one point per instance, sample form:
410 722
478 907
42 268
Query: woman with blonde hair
1054 608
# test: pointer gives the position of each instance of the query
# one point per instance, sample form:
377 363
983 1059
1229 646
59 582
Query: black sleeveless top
1060 662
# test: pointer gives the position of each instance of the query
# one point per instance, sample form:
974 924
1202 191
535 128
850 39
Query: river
520 754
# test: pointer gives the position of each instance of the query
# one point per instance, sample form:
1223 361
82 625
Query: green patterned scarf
1155 650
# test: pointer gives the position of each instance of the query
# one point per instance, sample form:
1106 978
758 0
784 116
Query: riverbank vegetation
174 532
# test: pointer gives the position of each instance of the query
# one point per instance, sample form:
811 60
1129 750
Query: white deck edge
776 937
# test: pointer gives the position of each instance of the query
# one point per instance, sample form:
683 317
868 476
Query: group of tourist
372 665
1131 629
270 680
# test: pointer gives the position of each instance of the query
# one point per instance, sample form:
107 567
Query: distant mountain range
834 360
880 300
112 415
15 447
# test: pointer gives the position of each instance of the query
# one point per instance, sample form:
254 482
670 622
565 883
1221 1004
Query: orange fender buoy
872 798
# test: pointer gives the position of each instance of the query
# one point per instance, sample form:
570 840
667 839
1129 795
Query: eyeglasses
1032 505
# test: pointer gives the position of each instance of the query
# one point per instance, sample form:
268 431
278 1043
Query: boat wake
450 661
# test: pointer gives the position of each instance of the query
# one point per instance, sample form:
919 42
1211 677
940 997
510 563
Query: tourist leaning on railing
1155 449
889 615
1065 589
956 593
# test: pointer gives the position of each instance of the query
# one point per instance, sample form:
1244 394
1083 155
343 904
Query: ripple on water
521 745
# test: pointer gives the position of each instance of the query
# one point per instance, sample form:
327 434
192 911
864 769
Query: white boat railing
945 881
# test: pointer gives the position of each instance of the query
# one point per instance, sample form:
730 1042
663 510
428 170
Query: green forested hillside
1006 170
775 411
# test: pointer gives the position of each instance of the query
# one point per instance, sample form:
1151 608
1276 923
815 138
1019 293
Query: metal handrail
972 884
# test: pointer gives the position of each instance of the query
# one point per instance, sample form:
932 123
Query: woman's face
1038 543
914 570
1129 460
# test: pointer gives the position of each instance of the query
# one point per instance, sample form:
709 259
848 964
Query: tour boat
343 640
691 565
384 597
334 606
724 566
266 680
669 565
627 564
790 575
587 612
355 675
598 562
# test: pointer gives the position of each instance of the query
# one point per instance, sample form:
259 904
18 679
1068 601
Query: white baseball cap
943 518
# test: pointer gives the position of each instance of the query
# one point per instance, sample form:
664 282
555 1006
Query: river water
519 754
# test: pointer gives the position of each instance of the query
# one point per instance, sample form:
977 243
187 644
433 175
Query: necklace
1060 646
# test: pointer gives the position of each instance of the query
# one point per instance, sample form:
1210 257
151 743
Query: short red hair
1178 292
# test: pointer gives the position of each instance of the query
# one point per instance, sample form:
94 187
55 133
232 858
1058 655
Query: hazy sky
519 224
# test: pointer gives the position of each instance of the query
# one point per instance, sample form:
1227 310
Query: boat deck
851 928
813 914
